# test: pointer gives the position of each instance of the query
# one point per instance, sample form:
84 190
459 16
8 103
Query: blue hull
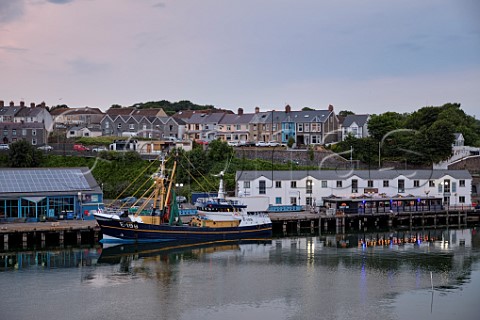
124 231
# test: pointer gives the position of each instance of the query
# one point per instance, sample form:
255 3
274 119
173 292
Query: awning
34 199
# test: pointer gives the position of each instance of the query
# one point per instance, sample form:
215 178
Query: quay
339 222
61 232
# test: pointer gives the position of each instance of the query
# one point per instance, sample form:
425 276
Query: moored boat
216 218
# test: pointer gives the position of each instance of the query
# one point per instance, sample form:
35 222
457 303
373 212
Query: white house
79 131
355 125
309 187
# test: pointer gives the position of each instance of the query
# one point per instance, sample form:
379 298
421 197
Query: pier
306 221
58 233
77 232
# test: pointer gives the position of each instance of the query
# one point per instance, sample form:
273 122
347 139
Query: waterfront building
34 194
308 188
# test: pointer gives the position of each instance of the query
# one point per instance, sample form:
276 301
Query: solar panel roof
43 180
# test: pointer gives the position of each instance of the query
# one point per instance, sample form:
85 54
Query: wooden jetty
339 222
25 234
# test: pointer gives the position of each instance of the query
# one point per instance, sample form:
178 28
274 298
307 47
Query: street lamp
79 195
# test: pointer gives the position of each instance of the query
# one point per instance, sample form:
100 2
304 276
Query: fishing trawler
216 218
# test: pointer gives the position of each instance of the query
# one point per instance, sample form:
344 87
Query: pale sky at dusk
368 56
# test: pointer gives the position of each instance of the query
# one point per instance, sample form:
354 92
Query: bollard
79 237
61 237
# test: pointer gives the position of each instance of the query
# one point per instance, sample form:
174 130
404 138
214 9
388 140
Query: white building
309 187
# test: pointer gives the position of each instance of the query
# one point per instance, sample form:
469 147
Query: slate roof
346 174
359 119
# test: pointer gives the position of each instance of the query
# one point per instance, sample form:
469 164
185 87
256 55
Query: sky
369 56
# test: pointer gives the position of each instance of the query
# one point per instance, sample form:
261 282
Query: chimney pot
240 111
288 108
22 103
32 104
330 108
257 109
12 104
2 103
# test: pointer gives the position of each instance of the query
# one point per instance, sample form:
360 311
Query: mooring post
285 227
312 226
61 237
79 237
5 241
298 226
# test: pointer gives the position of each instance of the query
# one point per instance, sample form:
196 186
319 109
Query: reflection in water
333 276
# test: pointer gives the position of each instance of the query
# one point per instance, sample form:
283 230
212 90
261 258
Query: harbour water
299 277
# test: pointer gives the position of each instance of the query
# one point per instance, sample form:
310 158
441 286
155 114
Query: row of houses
311 188
305 127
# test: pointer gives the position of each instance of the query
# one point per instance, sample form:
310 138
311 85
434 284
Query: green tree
380 125
345 113
23 154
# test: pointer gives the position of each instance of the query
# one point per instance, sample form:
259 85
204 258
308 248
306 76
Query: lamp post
79 204
428 201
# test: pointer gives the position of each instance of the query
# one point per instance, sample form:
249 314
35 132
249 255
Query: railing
286 208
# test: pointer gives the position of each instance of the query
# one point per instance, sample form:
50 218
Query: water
312 277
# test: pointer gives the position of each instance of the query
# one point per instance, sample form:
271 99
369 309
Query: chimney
288 108
257 109
12 104
42 104
330 108
240 111
32 105
2 103
22 103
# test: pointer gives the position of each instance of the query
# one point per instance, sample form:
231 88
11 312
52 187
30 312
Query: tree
345 113
380 125
23 154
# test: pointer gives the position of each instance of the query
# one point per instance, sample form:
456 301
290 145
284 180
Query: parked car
45 147
4 146
261 144
80 147
273 143
244 143
199 141
181 199
99 149
232 143
129 200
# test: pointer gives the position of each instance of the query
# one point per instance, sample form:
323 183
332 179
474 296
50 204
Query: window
461 183
324 184
339 183
354 185
14 133
72 132
370 183
24 132
34 132
278 200
454 186
246 184
416 183
107 125
309 201
5 132
119 126
431 183
238 127
262 187
309 186
293 201
34 142
461 199
385 183
131 126
401 186
300 127
293 184
278 184
446 186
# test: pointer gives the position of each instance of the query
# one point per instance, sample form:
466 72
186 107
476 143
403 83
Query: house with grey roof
307 187
355 125
83 131
203 126
235 127
35 113
33 132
